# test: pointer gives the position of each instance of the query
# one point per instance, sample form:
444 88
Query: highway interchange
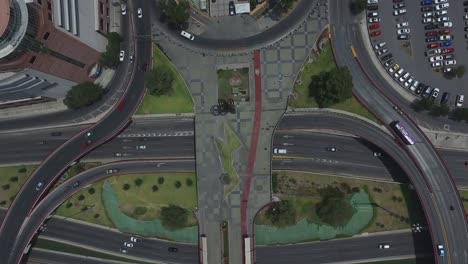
426 171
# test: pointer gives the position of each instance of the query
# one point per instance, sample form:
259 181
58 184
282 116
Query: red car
87 143
431 33
374 26
432 45
120 105
375 33
447 50
444 31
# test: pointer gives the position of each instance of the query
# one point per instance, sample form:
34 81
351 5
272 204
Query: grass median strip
80 251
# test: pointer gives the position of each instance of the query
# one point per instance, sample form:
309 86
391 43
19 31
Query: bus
402 132
204 250
248 250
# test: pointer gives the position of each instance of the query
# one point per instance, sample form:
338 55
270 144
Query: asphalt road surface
55 165
434 184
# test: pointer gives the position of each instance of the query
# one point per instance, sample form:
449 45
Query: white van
280 151
187 35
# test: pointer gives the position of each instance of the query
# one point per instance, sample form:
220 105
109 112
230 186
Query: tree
75 169
173 217
357 6
138 181
189 182
14 179
22 170
281 213
6 187
91 190
160 180
176 14
110 58
423 104
286 5
126 187
460 114
440 110
331 87
159 81
178 184
334 209
155 188
81 197
83 94
460 70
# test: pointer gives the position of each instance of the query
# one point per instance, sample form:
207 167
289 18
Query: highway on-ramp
434 185
55 165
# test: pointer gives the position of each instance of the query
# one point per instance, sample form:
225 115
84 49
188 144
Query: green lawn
226 149
225 90
65 248
322 63
180 101
143 196
395 206
464 197
11 179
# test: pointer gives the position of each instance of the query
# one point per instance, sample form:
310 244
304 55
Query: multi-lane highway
434 185
55 164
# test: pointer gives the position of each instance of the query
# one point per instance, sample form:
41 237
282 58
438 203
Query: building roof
4 15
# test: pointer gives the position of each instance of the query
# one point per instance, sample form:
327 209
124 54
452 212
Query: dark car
427 8
56 134
429 27
172 249
386 57
403 37
426 2
449 57
431 33
120 105
420 88
400 5
431 39
445 98
232 8
465 3
427 91
397 1
372 7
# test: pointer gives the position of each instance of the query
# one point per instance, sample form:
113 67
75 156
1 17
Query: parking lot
410 54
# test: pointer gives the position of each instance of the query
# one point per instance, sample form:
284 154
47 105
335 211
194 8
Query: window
49 6
39 2
46 36
101 7
32 60
49 16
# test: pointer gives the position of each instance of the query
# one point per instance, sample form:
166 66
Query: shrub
178 184
355 189
91 190
83 94
160 180
274 182
189 182
6 186
281 213
97 216
81 197
22 170
334 209
155 188
126 186
3 202
14 179
173 217
140 210
68 205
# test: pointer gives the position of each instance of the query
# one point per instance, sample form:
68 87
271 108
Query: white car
441 12
445 25
402 25
128 244
428 14
436 58
140 13
428 20
187 35
135 239
372 1
399 12
445 37
110 171
403 31
280 151
380 45
384 246
123 7
374 20
414 86
465 17
450 62
409 82
443 19
436 64
440 1
459 100
442 6
382 51
122 55
141 147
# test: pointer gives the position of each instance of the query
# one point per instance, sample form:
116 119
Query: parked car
388 63
427 91
445 43
441 12
374 20
399 12
426 2
459 100
375 33
382 51
369 7
444 31
443 19
432 52
436 64
402 25
403 31
440 1
399 5
445 25
187 35
435 93
386 57
442 6
431 39
427 8
374 26
432 45
436 58
447 50
429 27
403 37
428 20
450 62
431 33
372 14
445 98
380 45
428 14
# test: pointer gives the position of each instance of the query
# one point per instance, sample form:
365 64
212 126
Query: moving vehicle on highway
401 131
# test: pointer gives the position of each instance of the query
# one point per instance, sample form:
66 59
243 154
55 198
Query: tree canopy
334 209
83 94
460 114
110 58
331 87
159 80
282 213
174 217
175 14
357 6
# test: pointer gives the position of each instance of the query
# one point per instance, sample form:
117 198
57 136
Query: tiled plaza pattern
280 62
